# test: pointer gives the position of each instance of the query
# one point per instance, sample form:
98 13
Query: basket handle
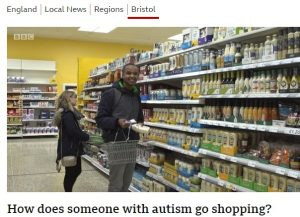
129 129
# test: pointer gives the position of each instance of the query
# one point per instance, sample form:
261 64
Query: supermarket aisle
31 168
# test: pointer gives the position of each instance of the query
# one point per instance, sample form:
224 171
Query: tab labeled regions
106 9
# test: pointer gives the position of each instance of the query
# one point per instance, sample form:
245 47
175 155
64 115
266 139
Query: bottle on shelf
227 53
238 54
268 46
275 46
254 83
241 83
273 82
219 82
241 113
259 112
261 51
232 52
236 85
262 83
219 57
246 51
294 85
247 86
245 115
250 113
297 40
280 44
279 79
268 82
255 112
256 51
284 84
290 40
232 82
285 44
252 51
222 58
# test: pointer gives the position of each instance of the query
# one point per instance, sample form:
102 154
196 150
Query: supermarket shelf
14 124
40 134
13 92
32 92
37 107
254 95
223 183
14 135
12 99
33 99
102 74
28 83
174 127
90 99
90 110
133 189
13 107
14 116
173 148
37 120
234 68
90 120
255 164
98 87
143 163
96 164
165 182
243 37
271 129
179 102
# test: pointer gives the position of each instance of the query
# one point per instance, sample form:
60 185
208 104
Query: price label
231 125
252 127
273 129
234 160
280 171
293 174
203 152
223 157
203 176
243 126
292 131
222 124
251 164
221 183
261 128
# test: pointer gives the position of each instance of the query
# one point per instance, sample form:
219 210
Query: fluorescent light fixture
176 37
104 29
99 29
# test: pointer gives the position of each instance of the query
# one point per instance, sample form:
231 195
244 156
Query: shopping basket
121 152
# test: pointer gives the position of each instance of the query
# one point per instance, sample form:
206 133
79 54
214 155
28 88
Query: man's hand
123 123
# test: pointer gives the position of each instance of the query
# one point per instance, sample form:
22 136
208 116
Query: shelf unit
174 127
178 102
173 148
223 183
37 74
165 182
248 38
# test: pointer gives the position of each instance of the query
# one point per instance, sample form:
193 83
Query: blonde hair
63 102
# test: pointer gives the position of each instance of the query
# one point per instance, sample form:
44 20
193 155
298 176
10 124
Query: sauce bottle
261 51
245 116
203 85
232 82
254 113
222 58
232 52
256 51
284 84
279 79
252 51
246 88
241 112
297 40
291 40
250 113
238 55
219 82
275 46
259 112
227 53
236 84
235 112
219 57
274 112
273 82
280 41
262 83
254 86
294 86
246 51
268 82
285 43
241 83
268 46
264 115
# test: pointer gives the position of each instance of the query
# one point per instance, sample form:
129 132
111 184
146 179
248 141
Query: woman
70 136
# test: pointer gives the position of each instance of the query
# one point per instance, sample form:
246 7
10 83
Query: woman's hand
123 123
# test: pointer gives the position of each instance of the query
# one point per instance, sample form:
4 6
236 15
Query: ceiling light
104 29
176 37
99 29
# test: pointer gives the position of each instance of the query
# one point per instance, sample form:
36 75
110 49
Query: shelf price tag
202 151
221 156
221 183
243 126
273 129
261 128
280 171
202 176
233 159
292 131
251 164
231 125
293 174
252 127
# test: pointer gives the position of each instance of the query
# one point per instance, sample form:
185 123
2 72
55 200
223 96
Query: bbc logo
24 36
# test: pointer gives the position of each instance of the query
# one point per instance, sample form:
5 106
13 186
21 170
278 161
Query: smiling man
118 105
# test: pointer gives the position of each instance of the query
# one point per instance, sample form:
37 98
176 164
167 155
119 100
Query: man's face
130 75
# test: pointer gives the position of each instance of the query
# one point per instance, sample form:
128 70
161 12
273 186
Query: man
118 105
